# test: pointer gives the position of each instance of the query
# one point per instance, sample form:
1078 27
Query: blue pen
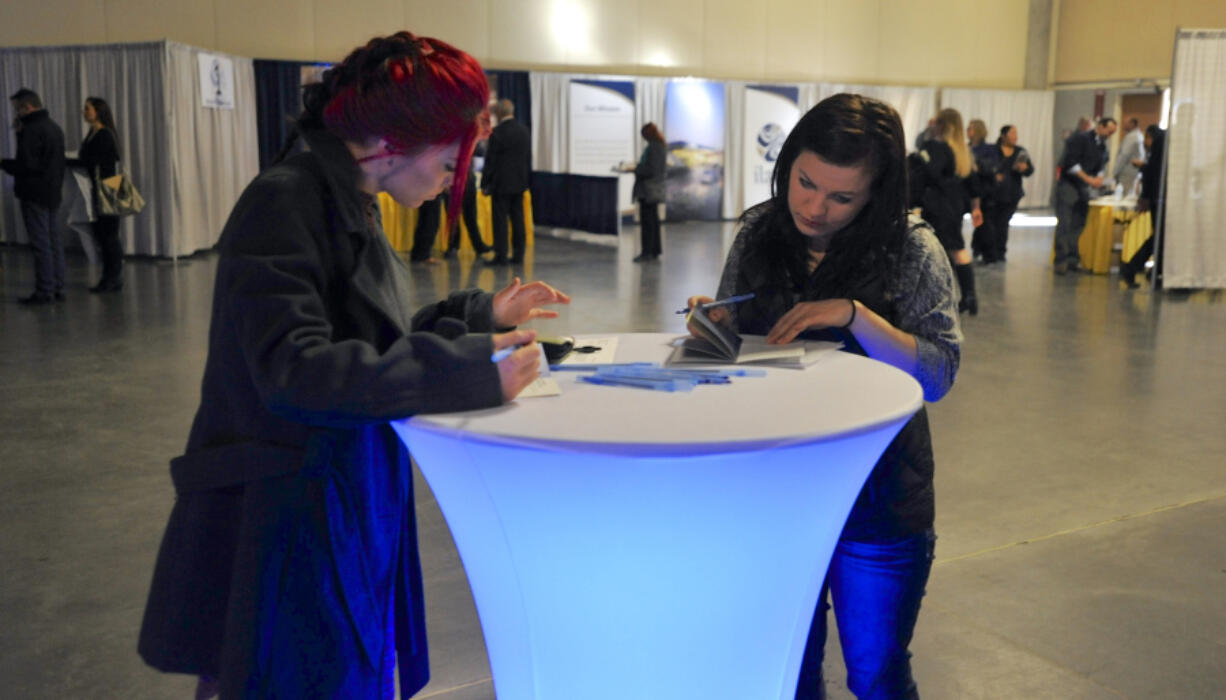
504 353
597 368
722 302
641 383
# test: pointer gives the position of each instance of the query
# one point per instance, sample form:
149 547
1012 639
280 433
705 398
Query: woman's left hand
521 302
811 315
977 217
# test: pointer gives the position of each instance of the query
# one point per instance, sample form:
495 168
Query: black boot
966 280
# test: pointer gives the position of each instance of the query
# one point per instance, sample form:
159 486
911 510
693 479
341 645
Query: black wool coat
38 168
311 352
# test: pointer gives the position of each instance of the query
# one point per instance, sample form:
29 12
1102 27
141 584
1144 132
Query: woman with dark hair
649 190
947 192
289 567
99 156
1005 163
833 254
1152 199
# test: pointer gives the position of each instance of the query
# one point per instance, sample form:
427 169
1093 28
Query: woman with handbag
99 156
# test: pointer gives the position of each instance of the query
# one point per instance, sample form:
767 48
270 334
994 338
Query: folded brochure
713 343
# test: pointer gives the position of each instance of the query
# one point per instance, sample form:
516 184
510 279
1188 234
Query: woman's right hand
519 369
718 314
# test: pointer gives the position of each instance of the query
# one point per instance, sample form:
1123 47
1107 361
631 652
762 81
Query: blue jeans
876 589
48 251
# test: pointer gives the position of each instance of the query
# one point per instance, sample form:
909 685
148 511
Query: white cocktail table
626 543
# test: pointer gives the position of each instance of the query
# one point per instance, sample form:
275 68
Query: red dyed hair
415 92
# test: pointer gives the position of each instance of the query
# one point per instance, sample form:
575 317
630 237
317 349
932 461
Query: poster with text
694 131
216 81
770 113
602 132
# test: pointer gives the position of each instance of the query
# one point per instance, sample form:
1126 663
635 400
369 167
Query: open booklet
713 343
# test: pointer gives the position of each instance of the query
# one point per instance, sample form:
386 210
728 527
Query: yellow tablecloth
1098 237
399 223
1095 242
1139 229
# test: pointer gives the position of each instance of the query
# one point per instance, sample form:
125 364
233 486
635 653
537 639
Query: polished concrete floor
1081 478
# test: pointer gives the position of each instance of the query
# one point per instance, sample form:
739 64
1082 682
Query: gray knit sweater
921 291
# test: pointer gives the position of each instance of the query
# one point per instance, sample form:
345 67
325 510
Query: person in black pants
649 186
832 255
1152 199
38 176
428 215
468 209
508 168
99 156
1082 170
1006 163
947 187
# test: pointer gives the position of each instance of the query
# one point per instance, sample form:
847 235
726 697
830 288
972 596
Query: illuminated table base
655 575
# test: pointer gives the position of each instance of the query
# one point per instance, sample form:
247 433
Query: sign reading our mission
602 131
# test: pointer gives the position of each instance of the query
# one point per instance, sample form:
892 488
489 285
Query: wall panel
1110 40
283 29
919 42
463 23
338 29
670 35
71 22
186 21
849 41
799 28
734 39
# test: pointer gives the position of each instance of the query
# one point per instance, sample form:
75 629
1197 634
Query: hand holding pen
518 359
709 303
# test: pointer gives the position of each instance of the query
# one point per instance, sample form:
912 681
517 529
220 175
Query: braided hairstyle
844 130
415 92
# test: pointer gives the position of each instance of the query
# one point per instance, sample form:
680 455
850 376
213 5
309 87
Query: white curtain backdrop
550 121
915 107
1031 111
129 78
648 107
734 117
188 165
551 114
1194 251
214 153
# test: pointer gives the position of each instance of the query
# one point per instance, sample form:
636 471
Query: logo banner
770 113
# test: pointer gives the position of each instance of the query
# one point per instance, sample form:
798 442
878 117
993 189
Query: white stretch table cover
77 208
624 543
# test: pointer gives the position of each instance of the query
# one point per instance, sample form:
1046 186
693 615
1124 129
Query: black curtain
514 86
278 99
582 202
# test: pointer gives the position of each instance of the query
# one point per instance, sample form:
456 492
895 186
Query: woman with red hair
289 567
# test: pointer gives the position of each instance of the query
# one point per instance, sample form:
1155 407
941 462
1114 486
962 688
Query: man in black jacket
508 167
1081 168
38 175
